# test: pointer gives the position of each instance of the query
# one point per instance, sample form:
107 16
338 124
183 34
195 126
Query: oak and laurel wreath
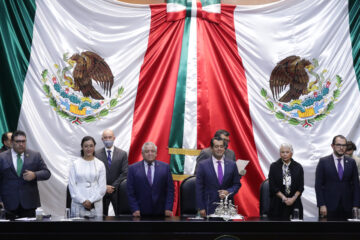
78 120
293 121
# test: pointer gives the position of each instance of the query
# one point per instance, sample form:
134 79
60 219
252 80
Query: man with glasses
337 182
20 169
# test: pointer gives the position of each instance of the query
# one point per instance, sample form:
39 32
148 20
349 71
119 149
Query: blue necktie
149 174
109 157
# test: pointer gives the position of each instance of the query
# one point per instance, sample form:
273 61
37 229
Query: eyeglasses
340 145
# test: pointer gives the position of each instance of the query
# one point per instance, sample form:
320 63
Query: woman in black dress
286 182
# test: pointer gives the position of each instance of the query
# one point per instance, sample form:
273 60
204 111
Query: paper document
241 164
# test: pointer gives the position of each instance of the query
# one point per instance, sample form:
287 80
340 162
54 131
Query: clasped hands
289 201
87 204
223 193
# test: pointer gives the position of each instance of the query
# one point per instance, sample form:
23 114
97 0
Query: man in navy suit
337 182
20 169
216 177
150 185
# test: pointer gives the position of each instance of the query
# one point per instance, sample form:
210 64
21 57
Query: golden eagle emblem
290 72
90 66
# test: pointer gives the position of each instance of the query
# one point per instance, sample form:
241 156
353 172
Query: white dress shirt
14 158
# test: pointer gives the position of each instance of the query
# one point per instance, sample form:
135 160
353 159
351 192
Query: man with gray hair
150 186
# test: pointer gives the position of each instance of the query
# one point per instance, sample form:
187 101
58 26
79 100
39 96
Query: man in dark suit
216 177
337 182
150 185
116 165
6 141
20 169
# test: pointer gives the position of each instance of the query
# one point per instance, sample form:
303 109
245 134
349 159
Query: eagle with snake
90 66
290 72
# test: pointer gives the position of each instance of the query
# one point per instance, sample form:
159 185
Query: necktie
220 172
109 157
19 165
340 169
149 174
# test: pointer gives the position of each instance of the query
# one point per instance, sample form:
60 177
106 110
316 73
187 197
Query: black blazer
330 190
119 166
14 190
276 185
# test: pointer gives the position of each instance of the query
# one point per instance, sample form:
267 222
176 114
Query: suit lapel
10 161
26 162
144 176
157 171
213 172
347 168
333 167
226 171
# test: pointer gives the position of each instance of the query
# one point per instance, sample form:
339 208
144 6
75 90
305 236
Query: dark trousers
20 212
106 202
339 213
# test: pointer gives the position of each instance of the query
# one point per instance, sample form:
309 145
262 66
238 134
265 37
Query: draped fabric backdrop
181 71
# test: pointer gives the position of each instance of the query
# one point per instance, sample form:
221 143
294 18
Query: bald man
116 164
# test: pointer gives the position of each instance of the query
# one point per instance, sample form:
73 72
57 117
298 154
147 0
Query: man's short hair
217 139
17 133
350 146
4 137
147 144
221 132
338 136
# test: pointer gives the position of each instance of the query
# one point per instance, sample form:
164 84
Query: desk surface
178 228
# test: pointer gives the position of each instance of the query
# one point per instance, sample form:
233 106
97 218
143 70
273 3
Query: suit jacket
276 185
207 153
150 199
3 149
330 190
119 166
14 190
207 184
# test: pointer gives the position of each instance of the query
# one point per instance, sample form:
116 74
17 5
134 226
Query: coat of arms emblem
71 91
301 91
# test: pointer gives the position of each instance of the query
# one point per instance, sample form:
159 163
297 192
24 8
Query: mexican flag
175 73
